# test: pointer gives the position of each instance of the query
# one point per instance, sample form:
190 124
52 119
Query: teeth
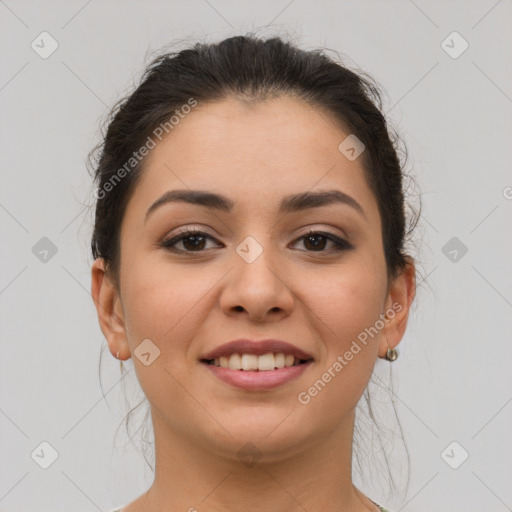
234 362
249 362
265 362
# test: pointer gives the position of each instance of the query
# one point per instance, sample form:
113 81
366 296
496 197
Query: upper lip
245 346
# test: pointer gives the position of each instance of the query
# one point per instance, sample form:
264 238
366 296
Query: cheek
165 303
159 306
149 301
349 300
345 308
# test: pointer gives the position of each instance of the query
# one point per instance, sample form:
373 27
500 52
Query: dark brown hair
249 69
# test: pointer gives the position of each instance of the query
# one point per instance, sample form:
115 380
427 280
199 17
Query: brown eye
315 241
192 240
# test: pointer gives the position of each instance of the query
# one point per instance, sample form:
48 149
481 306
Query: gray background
453 378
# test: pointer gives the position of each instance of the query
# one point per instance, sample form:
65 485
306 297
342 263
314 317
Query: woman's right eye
192 240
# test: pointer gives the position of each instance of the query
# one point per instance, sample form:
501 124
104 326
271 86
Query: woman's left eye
195 241
318 240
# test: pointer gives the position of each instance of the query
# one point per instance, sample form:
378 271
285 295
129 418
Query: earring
120 362
391 354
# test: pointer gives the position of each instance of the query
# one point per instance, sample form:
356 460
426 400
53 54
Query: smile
252 362
255 373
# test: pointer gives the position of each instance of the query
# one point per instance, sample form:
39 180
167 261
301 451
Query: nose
257 289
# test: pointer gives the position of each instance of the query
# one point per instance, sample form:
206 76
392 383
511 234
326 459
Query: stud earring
391 354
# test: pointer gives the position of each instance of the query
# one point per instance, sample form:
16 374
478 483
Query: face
313 276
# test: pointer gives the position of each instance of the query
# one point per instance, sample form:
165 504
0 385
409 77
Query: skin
189 303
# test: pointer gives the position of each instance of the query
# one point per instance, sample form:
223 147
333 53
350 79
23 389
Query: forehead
255 153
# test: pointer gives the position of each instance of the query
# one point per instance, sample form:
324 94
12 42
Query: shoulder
381 508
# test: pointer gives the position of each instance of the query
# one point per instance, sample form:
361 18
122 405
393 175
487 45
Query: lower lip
258 380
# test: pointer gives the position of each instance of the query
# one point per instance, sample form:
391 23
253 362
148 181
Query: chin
268 438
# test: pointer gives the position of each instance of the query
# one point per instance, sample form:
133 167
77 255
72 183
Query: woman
249 258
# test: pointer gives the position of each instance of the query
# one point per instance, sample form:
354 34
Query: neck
189 476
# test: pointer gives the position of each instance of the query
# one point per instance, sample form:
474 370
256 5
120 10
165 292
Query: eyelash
339 243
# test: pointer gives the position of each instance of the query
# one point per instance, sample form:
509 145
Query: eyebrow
289 204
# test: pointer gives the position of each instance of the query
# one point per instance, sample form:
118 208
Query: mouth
257 363
252 373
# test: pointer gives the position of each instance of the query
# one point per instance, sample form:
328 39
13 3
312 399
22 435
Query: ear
401 292
109 308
